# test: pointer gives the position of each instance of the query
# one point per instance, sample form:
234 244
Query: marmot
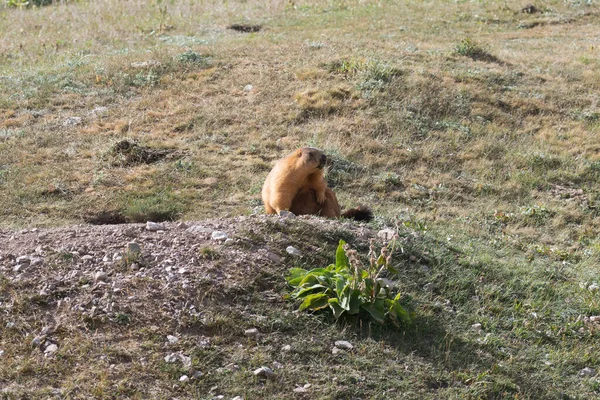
296 184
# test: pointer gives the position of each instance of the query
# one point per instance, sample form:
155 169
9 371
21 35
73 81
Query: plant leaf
397 313
355 301
315 301
341 260
335 307
303 291
376 309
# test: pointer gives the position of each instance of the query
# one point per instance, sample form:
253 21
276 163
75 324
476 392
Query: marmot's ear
299 154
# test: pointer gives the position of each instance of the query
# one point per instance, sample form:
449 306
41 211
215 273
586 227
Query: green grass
471 125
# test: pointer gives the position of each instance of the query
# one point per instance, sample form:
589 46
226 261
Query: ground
469 127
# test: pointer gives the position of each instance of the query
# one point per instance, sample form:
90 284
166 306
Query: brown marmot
296 184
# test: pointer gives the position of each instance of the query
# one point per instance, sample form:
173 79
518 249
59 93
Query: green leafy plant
348 287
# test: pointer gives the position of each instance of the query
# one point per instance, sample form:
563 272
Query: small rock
198 229
100 276
72 121
181 271
36 261
593 287
51 348
172 339
302 389
37 341
154 226
182 225
198 374
87 257
386 234
476 327
263 371
335 350
247 88
20 267
184 378
595 318
277 365
218 235
587 371
238 398
286 214
1 353
286 348
344 345
252 332
293 251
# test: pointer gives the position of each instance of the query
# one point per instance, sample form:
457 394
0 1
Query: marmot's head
310 157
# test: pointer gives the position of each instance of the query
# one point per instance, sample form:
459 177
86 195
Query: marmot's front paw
321 197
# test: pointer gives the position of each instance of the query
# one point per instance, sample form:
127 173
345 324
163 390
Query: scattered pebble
286 348
264 371
100 276
252 332
218 235
172 339
593 287
184 378
476 327
51 348
286 214
587 371
344 345
248 88
154 226
302 389
293 251
277 365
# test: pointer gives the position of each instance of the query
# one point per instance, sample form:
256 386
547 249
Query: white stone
344 345
252 332
172 339
100 276
154 226
184 378
218 235
293 251
286 348
51 348
263 371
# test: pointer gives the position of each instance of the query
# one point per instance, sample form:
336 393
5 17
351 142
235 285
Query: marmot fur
296 184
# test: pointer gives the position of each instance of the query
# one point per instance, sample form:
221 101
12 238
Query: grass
466 116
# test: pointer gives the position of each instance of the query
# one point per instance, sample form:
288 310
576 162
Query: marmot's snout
322 161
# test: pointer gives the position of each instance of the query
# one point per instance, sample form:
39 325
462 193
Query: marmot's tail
360 213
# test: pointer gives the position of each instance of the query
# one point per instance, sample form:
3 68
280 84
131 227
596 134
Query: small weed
208 253
348 287
535 215
469 48
191 57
